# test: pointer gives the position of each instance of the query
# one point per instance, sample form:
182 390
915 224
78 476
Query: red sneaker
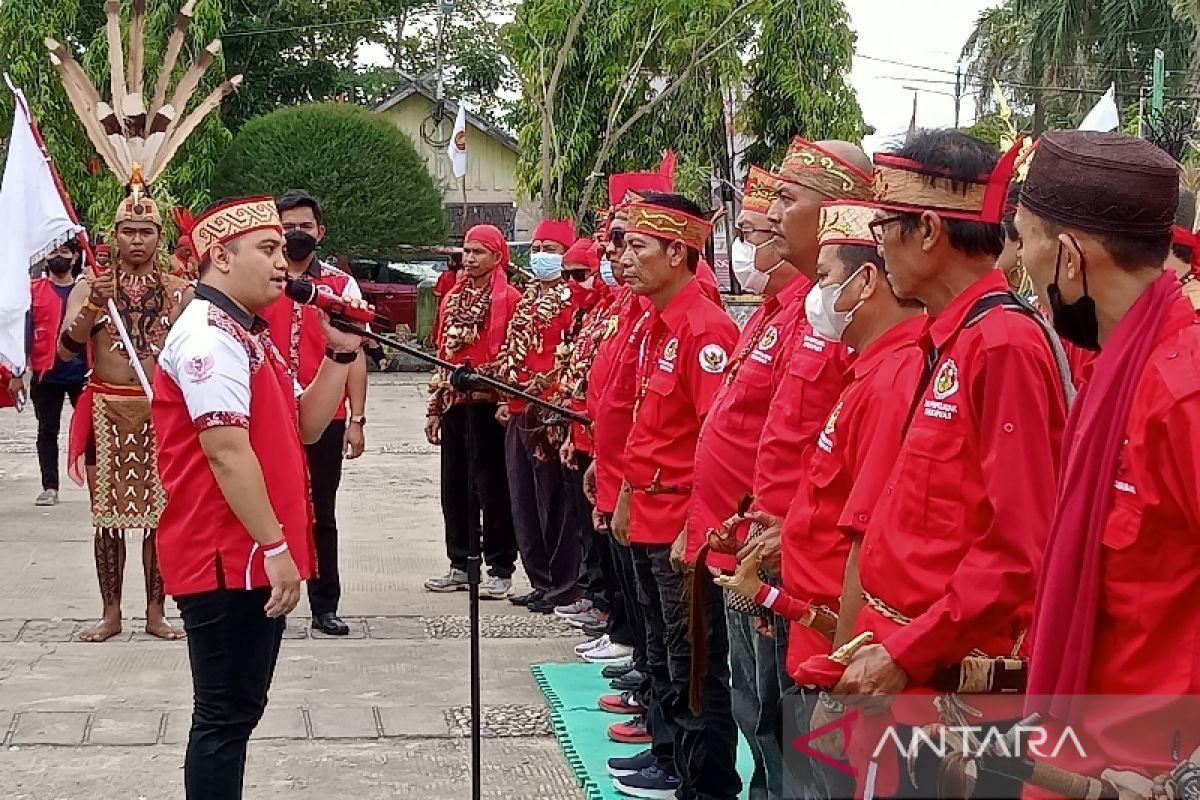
620 703
631 732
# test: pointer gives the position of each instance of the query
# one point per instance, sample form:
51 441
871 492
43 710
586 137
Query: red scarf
1069 589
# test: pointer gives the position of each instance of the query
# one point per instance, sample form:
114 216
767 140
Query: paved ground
382 714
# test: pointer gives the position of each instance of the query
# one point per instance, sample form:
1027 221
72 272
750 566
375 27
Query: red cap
103 250
622 183
585 252
555 230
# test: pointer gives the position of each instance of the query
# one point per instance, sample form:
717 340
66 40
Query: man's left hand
355 440
678 550
16 386
341 340
871 680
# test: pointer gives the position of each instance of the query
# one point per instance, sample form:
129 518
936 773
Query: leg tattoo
110 569
156 595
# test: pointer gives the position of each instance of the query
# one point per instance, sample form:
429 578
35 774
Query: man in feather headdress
112 440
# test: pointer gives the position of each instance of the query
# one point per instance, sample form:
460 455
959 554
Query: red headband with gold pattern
226 222
846 222
902 184
669 224
760 190
815 168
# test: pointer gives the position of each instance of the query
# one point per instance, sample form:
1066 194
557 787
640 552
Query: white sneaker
610 653
493 588
587 647
578 607
453 581
47 498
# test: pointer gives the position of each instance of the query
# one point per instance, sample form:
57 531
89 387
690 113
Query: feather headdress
135 141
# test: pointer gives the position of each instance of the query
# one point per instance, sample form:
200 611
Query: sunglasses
617 237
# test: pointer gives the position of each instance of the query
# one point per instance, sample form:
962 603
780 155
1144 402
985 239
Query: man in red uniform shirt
473 320
950 558
235 538
855 451
297 332
681 364
725 456
1115 608
543 514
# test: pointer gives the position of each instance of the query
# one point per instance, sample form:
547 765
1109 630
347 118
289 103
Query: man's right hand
589 483
285 584
770 539
433 430
620 520
503 414
16 386
102 287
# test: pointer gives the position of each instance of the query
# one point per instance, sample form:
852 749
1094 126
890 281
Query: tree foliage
80 24
1061 55
372 184
608 85
797 78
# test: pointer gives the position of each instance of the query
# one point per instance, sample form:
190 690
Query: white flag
35 222
1104 116
457 149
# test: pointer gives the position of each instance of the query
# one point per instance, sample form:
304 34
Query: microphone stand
464 378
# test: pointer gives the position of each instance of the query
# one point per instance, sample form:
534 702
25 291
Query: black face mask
60 265
1076 322
298 245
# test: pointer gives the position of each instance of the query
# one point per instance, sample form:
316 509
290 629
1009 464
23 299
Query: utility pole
1160 79
958 92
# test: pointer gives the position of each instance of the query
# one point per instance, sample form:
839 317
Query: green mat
571 691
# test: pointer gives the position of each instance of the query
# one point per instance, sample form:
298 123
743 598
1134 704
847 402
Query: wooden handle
1070 784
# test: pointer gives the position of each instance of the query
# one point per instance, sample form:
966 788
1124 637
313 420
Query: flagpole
81 237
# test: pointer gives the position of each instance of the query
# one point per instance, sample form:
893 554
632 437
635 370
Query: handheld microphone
307 293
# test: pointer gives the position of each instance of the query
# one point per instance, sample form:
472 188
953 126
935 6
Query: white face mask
606 272
820 308
742 256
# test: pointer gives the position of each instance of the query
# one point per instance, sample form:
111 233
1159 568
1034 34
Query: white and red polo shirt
296 328
219 367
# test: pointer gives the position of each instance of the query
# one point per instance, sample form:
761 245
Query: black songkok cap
1103 182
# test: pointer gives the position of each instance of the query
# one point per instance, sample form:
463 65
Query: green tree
80 24
797 79
372 184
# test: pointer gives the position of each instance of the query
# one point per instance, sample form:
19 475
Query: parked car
391 286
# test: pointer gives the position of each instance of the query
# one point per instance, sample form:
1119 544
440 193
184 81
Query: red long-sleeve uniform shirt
680 367
855 452
728 444
957 540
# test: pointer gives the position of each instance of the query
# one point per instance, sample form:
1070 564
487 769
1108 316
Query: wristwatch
339 357
359 420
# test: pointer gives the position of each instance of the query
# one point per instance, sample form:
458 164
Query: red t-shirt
680 367
296 328
219 367
816 374
957 540
856 450
728 445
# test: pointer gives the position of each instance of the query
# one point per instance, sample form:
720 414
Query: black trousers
47 399
625 623
463 504
705 744
233 647
597 577
325 472
544 518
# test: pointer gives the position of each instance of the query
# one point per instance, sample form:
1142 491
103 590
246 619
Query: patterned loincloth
128 493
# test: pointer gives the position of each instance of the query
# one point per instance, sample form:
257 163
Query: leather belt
822 619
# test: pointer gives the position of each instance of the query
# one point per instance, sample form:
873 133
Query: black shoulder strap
1004 299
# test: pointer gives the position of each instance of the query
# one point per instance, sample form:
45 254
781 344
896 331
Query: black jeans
232 646
47 399
325 472
597 578
705 743
544 518
462 504
625 622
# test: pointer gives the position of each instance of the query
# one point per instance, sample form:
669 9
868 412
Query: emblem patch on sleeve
713 358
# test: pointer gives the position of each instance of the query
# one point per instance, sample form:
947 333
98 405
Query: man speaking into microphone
235 537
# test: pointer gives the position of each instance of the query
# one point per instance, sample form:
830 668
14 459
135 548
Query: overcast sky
926 33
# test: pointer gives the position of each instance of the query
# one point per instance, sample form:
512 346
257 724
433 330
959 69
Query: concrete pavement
381 714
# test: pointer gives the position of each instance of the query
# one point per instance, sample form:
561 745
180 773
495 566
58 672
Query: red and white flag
457 149
35 222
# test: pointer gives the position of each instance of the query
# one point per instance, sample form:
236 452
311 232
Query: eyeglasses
748 230
617 236
877 225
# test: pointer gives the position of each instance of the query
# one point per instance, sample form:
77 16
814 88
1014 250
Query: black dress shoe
541 606
596 628
613 671
526 599
628 682
330 625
